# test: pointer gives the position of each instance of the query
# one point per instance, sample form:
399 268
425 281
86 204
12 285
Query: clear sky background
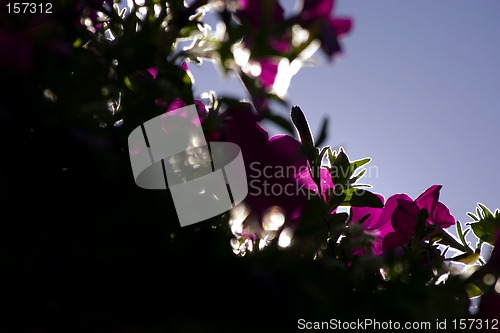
417 88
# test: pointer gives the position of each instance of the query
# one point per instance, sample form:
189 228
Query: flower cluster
308 228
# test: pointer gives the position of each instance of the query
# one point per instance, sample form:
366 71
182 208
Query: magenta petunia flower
269 70
272 164
257 14
378 224
254 12
306 181
317 14
405 215
313 9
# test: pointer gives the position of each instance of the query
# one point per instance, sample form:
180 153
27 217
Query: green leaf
357 177
362 219
337 218
485 231
359 163
360 185
362 198
473 290
331 156
128 83
322 153
336 197
443 237
467 258
461 235
485 211
340 170
472 216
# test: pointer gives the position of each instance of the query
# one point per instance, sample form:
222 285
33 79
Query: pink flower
315 14
259 14
306 181
405 215
272 163
378 223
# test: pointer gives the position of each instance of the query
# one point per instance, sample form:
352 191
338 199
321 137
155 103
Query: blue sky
417 89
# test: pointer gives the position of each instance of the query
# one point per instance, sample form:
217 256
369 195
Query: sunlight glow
489 279
299 35
238 216
241 55
384 273
273 218
285 238
442 278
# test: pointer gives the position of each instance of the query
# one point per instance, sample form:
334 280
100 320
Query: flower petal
441 216
153 71
256 11
305 180
286 150
271 164
389 207
341 25
329 42
393 240
269 70
371 223
404 218
357 213
313 9
429 198
242 128
377 246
